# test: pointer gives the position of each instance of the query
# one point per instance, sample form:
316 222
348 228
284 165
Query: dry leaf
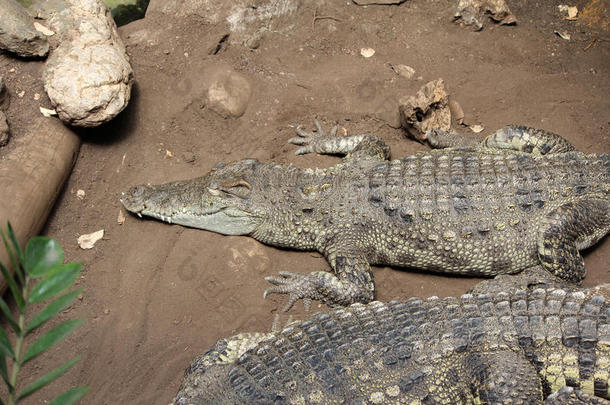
404 71
41 28
87 241
367 52
572 11
121 218
476 128
563 35
47 113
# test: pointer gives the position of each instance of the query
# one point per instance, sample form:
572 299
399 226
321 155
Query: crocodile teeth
140 215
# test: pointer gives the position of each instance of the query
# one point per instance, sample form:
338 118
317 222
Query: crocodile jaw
227 221
222 218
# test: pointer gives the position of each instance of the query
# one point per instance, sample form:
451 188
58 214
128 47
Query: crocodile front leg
352 283
569 228
353 146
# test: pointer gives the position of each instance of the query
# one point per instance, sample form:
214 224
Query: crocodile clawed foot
310 140
298 286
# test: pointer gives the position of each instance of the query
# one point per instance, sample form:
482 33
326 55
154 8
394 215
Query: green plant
42 261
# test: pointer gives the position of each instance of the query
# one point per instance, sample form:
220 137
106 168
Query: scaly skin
522 347
520 198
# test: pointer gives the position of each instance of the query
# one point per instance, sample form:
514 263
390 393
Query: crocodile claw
309 140
298 286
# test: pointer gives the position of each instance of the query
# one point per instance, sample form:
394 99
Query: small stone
228 93
80 194
36 96
106 311
21 93
367 52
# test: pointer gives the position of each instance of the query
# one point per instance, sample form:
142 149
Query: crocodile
539 345
519 198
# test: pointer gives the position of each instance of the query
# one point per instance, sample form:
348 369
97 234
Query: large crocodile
520 198
523 347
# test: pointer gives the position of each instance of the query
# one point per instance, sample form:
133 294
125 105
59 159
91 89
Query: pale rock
228 93
475 12
88 77
426 110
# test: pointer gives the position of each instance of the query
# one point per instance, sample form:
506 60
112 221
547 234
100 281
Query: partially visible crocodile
524 347
520 198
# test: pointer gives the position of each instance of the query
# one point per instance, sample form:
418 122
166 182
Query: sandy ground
157 295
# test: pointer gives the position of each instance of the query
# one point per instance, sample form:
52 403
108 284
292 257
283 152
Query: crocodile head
218 202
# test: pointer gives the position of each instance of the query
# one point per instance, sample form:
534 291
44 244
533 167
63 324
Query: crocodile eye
213 191
137 191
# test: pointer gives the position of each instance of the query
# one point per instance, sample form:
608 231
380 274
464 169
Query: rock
4 97
404 71
241 15
473 12
426 110
88 76
4 130
379 2
17 32
228 92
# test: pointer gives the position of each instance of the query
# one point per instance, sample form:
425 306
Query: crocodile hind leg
571 396
353 283
566 230
529 140
504 377
512 137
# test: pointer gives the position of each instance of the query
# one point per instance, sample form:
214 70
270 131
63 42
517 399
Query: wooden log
32 176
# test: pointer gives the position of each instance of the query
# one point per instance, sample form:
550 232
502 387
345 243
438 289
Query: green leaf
51 309
4 370
55 282
42 254
50 338
9 316
5 345
13 238
10 250
70 396
47 378
12 285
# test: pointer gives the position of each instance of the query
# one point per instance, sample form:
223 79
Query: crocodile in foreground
520 198
524 347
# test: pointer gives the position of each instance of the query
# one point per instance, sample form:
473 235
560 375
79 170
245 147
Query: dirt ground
157 295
